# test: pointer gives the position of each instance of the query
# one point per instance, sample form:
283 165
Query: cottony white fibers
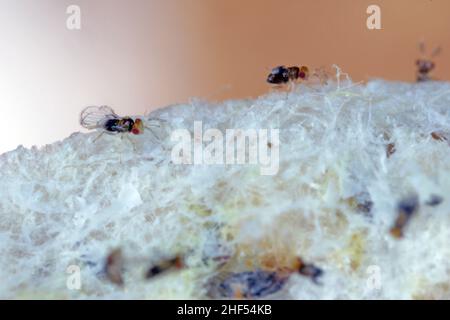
71 202
240 147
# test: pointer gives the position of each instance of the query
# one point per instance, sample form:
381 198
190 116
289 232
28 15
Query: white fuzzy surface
73 201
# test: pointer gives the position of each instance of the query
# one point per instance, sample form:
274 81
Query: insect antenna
132 143
422 48
149 126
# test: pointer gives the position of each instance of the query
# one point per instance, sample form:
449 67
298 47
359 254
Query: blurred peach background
139 55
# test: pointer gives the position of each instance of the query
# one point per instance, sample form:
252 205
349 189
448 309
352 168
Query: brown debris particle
406 209
438 136
390 149
114 267
164 266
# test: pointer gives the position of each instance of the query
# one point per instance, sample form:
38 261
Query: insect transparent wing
94 117
436 52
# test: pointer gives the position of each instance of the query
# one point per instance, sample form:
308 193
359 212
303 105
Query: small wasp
282 74
105 118
174 263
425 65
406 209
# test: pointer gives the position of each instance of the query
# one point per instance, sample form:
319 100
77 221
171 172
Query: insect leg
98 137
121 148
132 143
292 85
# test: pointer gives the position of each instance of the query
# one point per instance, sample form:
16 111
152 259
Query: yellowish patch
200 210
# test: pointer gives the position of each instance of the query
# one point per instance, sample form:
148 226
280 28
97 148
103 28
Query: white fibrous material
349 154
